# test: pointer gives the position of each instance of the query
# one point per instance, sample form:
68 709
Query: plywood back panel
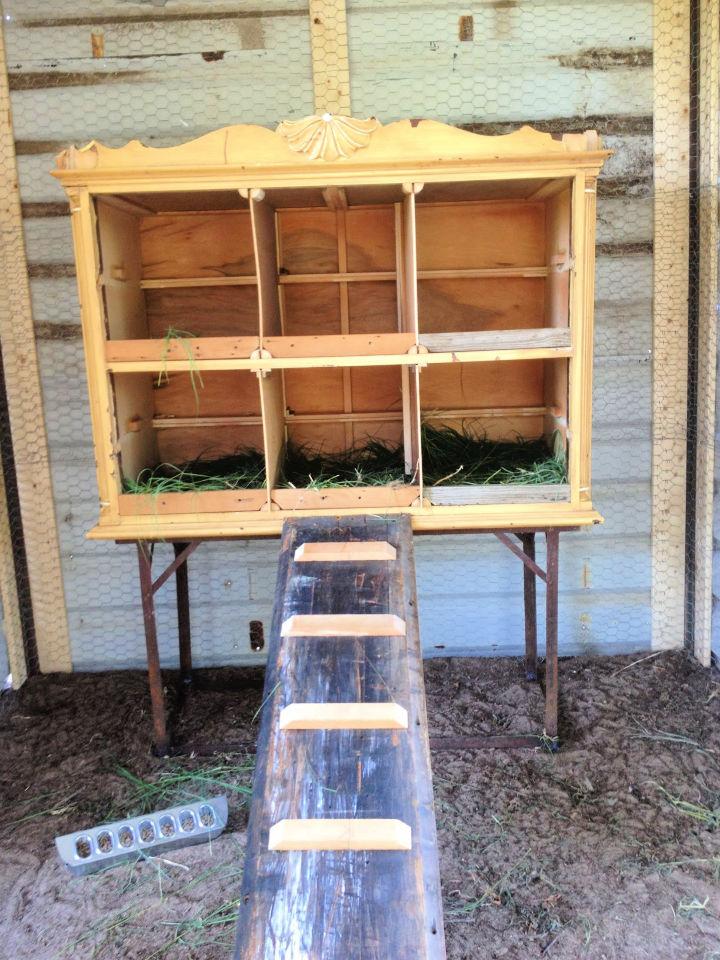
496 428
376 389
218 394
477 235
204 311
373 307
307 241
370 235
311 309
314 391
469 386
184 444
469 305
185 245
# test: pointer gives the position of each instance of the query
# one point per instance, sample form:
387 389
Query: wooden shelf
555 338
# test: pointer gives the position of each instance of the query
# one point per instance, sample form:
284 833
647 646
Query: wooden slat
343 716
345 550
170 282
344 625
499 493
496 340
395 910
25 407
337 834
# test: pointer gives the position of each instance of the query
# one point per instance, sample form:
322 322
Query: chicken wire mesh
165 72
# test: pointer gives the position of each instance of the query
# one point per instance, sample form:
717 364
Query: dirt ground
609 850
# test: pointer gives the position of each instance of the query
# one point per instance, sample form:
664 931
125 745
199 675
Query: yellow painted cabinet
327 286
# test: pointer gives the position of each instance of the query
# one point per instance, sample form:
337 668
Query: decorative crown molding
326 136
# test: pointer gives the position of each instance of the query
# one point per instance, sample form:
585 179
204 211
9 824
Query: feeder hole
167 826
187 821
83 848
125 837
104 842
207 816
146 831
257 635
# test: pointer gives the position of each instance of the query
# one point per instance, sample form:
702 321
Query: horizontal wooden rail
343 716
360 834
163 283
343 625
345 550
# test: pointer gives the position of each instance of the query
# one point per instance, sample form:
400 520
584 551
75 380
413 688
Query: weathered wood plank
499 493
344 904
24 400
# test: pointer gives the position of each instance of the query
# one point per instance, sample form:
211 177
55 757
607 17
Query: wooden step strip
343 625
358 834
352 550
343 716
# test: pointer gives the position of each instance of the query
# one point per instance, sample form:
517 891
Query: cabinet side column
578 375
89 278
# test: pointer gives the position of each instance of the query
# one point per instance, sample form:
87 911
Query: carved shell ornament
327 137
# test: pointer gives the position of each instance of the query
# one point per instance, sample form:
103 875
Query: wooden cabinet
327 285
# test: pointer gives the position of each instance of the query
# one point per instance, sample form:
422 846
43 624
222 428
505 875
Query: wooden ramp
360 880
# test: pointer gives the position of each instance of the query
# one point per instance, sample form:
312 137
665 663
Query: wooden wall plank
22 380
670 318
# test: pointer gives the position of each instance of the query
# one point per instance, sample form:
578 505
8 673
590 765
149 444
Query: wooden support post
330 62
552 538
708 145
25 406
183 615
530 607
671 111
161 744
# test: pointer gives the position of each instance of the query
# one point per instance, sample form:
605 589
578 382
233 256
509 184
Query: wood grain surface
329 904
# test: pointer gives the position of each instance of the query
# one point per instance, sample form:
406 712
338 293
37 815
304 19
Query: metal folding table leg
530 603
183 616
552 538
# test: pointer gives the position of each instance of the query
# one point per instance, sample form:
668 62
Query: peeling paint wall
168 72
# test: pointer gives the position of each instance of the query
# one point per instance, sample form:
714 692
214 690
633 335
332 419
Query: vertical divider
262 218
407 276
272 394
344 296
